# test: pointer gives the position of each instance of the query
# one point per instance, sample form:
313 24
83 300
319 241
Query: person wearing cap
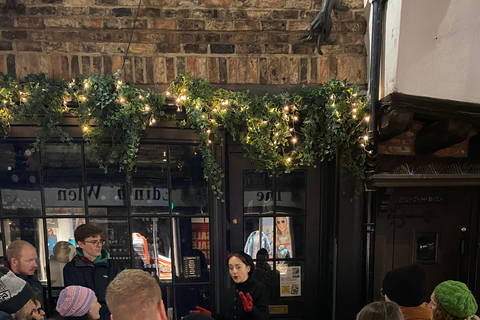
22 260
15 297
247 298
135 294
407 286
77 303
452 300
91 267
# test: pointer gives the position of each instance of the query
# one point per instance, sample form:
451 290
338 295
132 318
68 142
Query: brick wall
225 41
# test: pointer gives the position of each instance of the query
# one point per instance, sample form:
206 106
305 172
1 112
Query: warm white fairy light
291 129
365 137
209 141
354 110
182 97
289 159
295 118
276 133
179 109
147 107
354 116
286 108
140 97
85 128
208 131
86 85
214 110
167 93
294 140
84 98
5 101
122 100
178 100
153 120
197 107
367 118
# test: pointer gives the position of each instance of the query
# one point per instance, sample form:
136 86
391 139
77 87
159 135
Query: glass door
271 218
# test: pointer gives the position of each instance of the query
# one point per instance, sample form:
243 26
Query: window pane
105 191
30 230
19 180
61 246
150 186
145 249
117 240
189 188
291 192
258 234
290 237
62 176
192 249
257 192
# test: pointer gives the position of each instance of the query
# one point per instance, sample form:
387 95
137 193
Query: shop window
106 192
30 230
149 194
152 249
192 245
63 181
257 192
188 297
117 238
61 246
258 235
20 180
189 187
290 191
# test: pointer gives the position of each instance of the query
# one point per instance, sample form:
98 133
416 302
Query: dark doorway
435 227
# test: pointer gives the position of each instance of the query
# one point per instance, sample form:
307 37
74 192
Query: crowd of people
96 287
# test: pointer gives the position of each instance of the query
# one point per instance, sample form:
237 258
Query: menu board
192 267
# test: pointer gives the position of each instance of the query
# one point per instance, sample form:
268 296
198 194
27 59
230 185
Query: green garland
277 132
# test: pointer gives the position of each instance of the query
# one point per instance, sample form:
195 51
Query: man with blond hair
22 260
135 295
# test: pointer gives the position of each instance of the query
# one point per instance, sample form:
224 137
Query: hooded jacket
95 275
6 316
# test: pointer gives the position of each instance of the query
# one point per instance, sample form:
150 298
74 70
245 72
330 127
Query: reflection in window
19 179
257 192
189 187
192 249
106 193
259 233
150 239
61 245
117 239
30 230
63 182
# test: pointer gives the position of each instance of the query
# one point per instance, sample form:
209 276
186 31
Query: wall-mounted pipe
374 89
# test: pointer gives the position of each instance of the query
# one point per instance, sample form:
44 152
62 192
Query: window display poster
290 282
201 238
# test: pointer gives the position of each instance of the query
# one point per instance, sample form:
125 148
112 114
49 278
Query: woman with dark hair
77 303
380 310
247 298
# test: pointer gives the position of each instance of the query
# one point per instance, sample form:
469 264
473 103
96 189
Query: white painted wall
432 48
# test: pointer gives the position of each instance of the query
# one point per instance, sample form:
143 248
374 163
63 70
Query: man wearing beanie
91 267
407 286
15 297
452 300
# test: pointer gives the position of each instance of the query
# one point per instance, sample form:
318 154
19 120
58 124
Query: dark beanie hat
249 261
407 286
14 292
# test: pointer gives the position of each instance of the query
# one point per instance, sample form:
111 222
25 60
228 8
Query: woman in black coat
247 298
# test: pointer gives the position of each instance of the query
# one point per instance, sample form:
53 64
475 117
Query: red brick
232 70
272 3
248 25
162 24
55 67
253 71
294 70
202 67
213 75
65 68
192 65
160 71
3 67
242 76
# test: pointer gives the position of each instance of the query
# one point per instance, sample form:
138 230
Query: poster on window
290 282
283 238
201 239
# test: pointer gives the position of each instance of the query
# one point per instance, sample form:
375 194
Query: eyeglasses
95 242
382 293
38 310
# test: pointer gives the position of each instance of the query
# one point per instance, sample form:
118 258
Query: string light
178 99
85 128
354 116
167 93
84 98
86 85
147 108
289 159
140 97
295 118
179 109
153 120
122 100
294 140
183 97
367 118
365 137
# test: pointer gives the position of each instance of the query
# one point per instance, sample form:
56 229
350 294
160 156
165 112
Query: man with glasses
91 267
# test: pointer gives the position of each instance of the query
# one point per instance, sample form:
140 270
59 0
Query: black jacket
259 293
96 276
